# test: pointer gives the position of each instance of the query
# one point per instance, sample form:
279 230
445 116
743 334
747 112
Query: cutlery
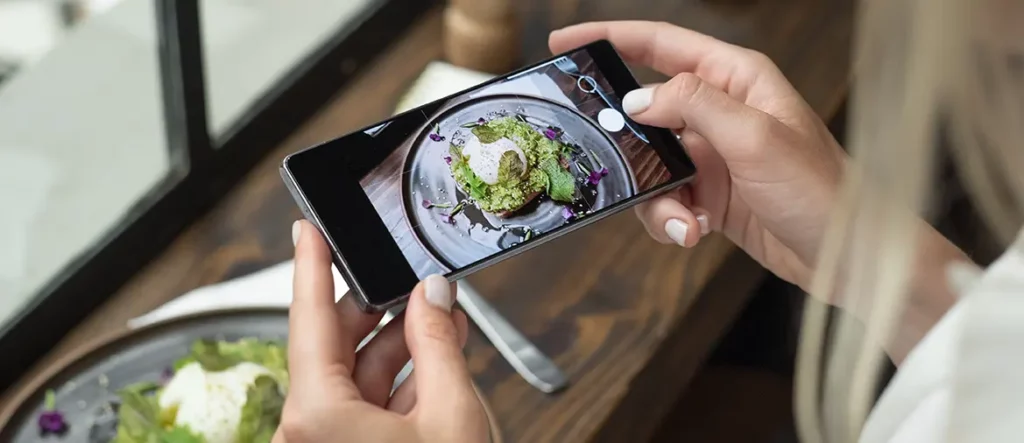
535 367
566 65
525 358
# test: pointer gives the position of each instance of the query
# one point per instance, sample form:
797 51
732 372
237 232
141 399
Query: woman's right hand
768 168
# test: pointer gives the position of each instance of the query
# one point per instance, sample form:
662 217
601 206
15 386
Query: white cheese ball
210 403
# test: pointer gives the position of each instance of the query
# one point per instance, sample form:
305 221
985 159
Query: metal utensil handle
525 358
612 103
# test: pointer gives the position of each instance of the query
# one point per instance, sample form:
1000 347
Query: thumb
443 380
686 101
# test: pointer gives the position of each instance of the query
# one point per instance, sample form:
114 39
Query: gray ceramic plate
476 234
125 358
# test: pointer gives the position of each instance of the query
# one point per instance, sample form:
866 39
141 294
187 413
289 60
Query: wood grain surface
629 320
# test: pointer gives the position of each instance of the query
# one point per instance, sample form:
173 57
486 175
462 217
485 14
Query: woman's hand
339 395
768 168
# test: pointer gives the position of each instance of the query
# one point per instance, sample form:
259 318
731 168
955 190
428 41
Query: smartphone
484 174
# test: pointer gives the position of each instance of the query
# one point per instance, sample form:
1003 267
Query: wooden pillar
483 35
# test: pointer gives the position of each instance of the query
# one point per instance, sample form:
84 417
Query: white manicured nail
438 292
637 100
676 230
296 230
705 225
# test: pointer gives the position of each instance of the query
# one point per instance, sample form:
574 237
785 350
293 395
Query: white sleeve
988 377
965 381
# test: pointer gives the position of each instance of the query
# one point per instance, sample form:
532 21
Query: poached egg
210 403
484 157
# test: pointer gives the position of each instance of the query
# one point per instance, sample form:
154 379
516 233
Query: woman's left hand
340 395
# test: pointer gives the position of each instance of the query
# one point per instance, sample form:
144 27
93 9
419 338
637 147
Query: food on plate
505 163
222 392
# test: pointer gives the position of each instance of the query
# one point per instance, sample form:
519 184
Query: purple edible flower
596 176
449 218
427 204
436 137
481 120
51 421
448 159
551 134
567 213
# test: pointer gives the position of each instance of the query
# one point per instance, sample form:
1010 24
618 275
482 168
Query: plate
473 234
86 381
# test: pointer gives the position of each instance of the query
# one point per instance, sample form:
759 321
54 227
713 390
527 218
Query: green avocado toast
545 171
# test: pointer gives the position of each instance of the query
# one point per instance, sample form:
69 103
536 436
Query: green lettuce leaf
140 419
561 184
261 413
486 134
180 434
510 167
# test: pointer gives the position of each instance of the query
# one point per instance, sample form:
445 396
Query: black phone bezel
332 197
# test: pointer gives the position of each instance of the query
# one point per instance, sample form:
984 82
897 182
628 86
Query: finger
355 323
733 128
436 352
404 398
314 346
667 48
380 361
669 221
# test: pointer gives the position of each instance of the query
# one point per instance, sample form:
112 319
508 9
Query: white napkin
267 288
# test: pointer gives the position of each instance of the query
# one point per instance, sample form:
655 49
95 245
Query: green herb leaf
51 400
477 187
561 184
455 152
486 134
261 413
510 166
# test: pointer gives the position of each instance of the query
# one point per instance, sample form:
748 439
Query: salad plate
494 171
87 396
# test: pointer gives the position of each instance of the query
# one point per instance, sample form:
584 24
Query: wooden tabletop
617 311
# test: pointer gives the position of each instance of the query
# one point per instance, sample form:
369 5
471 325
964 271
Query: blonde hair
917 62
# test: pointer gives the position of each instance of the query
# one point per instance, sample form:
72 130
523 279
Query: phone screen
464 179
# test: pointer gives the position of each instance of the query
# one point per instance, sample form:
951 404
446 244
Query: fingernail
637 100
438 292
676 230
705 225
296 230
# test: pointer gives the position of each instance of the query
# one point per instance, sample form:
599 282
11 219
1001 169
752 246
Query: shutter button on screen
611 120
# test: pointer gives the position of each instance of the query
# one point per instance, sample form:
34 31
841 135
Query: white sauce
210 403
484 157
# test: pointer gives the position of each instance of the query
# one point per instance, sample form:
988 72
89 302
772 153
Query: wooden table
619 313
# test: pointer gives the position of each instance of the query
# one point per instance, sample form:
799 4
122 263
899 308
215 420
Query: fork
566 65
